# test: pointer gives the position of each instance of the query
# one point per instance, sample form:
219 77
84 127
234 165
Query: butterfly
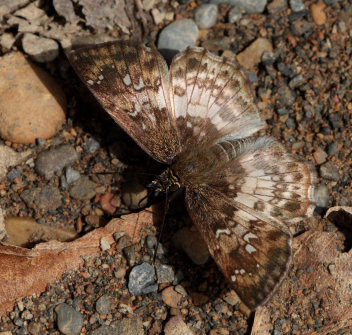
198 117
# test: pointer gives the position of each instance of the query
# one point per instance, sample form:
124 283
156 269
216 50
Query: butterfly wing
132 84
241 204
210 99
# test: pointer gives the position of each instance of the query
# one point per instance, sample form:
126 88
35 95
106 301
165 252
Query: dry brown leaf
28 271
22 231
316 297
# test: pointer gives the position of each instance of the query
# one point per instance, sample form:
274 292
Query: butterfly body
198 117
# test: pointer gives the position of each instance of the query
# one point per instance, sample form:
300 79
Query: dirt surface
91 170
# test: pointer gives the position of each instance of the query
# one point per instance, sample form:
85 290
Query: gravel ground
298 57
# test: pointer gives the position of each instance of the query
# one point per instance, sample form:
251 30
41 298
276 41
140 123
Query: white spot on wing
242 271
223 231
233 278
250 249
139 85
248 236
127 80
90 82
101 77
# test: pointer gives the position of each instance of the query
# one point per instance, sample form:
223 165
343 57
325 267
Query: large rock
32 105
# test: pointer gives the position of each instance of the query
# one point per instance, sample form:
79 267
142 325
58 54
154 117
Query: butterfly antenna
162 225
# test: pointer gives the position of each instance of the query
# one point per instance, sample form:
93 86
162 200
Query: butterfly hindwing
241 200
132 84
252 252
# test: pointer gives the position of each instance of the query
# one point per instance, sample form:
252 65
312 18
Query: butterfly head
166 182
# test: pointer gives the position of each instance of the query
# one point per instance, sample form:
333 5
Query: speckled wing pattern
132 84
240 205
198 117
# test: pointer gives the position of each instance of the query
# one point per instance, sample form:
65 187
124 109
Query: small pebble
287 96
103 304
322 196
178 35
296 81
32 104
44 198
72 175
277 6
83 189
92 145
248 6
333 149
13 174
318 14
252 55
130 254
297 5
40 49
176 326
329 171
158 16
206 16
172 298
165 273
128 326
50 161
291 123
69 321
104 244
320 156
141 277
234 14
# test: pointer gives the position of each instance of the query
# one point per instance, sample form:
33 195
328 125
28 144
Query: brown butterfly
198 117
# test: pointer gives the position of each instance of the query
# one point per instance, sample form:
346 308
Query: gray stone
206 16
329 171
291 123
296 81
277 6
8 6
297 5
141 277
43 198
103 304
104 330
92 145
41 49
178 35
165 273
72 175
128 326
65 9
286 96
322 196
235 14
13 174
248 6
69 321
333 149
30 12
83 189
50 161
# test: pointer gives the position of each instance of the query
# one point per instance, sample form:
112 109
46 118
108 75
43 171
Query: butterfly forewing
132 84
